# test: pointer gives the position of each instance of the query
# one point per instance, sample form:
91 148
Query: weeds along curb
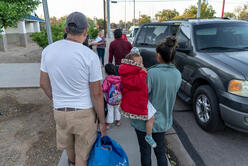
175 145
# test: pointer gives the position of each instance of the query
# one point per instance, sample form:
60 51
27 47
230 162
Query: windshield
150 35
221 36
135 31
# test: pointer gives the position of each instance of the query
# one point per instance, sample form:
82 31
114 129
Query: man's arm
98 103
110 53
45 84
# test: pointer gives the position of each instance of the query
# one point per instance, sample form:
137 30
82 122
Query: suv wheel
206 109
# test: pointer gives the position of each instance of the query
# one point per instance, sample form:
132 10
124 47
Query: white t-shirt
71 66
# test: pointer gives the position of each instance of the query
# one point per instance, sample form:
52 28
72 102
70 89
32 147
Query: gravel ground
27 129
30 54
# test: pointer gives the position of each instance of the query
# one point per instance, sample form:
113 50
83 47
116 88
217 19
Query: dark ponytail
167 49
110 69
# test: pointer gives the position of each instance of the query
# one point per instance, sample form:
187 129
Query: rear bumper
234 118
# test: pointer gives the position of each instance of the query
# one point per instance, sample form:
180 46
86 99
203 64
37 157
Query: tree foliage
242 12
191 12
144 19
90 21
55 20
100 22
11 11
113 25
41 37
229 15
166 15
93 32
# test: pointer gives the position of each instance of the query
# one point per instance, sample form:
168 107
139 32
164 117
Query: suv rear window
152 34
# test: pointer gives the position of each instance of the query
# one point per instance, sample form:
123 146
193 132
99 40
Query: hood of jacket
113 79
128 67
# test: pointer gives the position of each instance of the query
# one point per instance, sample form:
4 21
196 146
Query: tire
206 109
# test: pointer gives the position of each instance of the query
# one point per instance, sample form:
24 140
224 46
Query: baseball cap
78 20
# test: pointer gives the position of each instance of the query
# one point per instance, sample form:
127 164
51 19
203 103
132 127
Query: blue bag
107 152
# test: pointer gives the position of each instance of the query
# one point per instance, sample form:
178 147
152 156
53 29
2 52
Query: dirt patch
10 108
27 129
15 54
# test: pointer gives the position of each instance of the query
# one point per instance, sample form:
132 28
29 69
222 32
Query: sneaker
150 141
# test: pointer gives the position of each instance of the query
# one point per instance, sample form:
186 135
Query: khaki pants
76 130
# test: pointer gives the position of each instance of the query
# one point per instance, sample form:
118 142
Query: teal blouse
163 82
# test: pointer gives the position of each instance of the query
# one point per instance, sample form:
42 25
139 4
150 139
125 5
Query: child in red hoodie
112 88
135 104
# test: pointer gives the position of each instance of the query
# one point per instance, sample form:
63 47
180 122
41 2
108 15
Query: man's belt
67 109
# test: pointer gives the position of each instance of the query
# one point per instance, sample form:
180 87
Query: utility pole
104 18
134 12
48 26
108 15
199 9
223 8
125 16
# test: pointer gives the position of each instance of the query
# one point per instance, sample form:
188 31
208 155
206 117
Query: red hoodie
134 92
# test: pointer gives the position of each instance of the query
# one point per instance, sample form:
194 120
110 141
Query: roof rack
195 18
226 18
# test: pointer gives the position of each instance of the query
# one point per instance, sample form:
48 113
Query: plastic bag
107 152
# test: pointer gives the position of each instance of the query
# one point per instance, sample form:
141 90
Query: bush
93 32
57 33
41 37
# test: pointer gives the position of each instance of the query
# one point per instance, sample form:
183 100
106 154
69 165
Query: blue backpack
107 152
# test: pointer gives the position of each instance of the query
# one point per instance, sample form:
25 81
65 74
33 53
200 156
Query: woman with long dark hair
163 82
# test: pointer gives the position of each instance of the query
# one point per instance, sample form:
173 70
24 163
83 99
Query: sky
94 8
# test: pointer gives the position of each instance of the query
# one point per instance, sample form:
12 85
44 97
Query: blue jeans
101 53
145 149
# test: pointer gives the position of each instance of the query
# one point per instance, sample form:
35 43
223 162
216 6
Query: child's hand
143 68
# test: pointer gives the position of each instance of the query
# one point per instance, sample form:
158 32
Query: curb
175 145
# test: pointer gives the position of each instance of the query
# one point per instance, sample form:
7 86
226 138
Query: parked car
133 31
212 56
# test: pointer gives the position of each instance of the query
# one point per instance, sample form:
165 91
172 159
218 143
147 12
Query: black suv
212 56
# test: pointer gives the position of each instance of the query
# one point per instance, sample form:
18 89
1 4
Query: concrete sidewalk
126 137
20 75
26 75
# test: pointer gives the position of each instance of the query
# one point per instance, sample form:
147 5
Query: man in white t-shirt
70 77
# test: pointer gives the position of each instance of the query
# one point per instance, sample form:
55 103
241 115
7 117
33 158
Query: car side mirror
183 47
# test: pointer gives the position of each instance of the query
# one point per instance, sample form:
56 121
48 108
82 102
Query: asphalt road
225 148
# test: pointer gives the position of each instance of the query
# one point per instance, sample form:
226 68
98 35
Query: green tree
90 21
242 12
206 11
229 15
121 24
41 37
100 22
54 20
113 25
93 32
144 19
166 15
11 11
